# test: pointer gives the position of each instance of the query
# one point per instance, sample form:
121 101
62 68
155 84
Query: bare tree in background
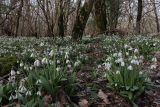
139 16
81 19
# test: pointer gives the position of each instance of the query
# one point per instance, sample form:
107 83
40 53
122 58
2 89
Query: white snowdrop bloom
38 81
39 93
99 66
141 57
37 63
32 55
115 85
119 60
130 49
122 64
30 68
58 69
136 51
18 72
13 73
127 53
108 59
69 66
133 61
107 65
66 55
51 62
28 93
10 98
154 44
147 79
125 46
140 72
67 61
41 44
115 55
51 53
22 89
130 67
117 72
77 63
154 59
21 64
140 61
44 61
119 54
153 66
25 68
58 62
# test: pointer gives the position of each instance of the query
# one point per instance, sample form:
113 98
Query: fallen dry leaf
83 103
103 96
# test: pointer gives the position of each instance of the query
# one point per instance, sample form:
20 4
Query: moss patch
6 63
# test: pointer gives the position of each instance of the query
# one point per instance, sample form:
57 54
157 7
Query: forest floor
93 90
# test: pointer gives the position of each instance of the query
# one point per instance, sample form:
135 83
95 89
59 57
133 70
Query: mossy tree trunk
81 19
100 15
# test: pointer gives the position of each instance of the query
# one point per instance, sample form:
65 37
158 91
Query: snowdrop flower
10 98
153 66
66 55
38 81
108 59
154 44
30 68
37 63
58 62
44 61
28 93
115 55
77 63
67 61
127 53
130 49
140 72
119 60
130 67
99 66
58 69
154 59
42 44
69 66
136 51
39 93
117 72
125 46
136 62
18 72
22 89
115 85
122 64
21 64
13 73
107 65
32 55
141 57
119 54
51 53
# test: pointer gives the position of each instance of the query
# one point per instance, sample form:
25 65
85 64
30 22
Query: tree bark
100 15
18 17
81 20
156 15
139 17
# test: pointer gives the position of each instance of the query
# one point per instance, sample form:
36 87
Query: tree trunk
81 20
18 17
139 17
156 15
100 15
59 24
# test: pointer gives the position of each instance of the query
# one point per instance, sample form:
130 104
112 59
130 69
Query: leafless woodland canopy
77 17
